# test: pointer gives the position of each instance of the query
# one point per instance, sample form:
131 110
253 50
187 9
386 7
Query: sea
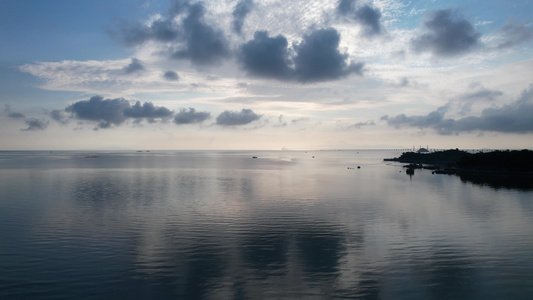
257 225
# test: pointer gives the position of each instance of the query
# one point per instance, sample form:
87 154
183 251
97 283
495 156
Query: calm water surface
285 225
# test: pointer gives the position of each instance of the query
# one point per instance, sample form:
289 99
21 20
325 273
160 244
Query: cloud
12 114
319 59
482 94
133 67
511 118
360 125
515 34
433 119
163 29
35 124
300 120
202 43
242 9
266 56
232 118
281 122
16 115
110 112
190 116
147 111
183 31
58 116
177 7
404 81
136 34
478 93
108 77
367 16
106 112
32 123
446 34
171 75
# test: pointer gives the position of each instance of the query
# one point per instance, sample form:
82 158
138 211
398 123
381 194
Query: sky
265 75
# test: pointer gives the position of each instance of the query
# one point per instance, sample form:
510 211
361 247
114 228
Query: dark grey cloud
177 7
134 34
190 116
58 116
318 58
189 37
162 30
187 34
171 75
32 123
134 66
515 34
35 124
109 112
360 125
446 34
432 119
202 43
128 33
478 93
16 115
365 15
242 9
345 7
106 112
232 118
266 56
515 117
147 111
369 17
482 94
12 114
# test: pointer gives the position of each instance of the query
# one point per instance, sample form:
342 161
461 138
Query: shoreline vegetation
459 162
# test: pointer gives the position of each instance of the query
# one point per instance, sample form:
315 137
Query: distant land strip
376 149
415 150
460 161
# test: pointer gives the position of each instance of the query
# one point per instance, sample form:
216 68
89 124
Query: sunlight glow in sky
250 74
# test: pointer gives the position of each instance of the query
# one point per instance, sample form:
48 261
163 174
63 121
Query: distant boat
254 156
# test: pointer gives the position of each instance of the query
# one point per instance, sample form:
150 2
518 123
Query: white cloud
109 78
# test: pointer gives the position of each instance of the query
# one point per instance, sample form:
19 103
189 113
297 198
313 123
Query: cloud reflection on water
305 229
